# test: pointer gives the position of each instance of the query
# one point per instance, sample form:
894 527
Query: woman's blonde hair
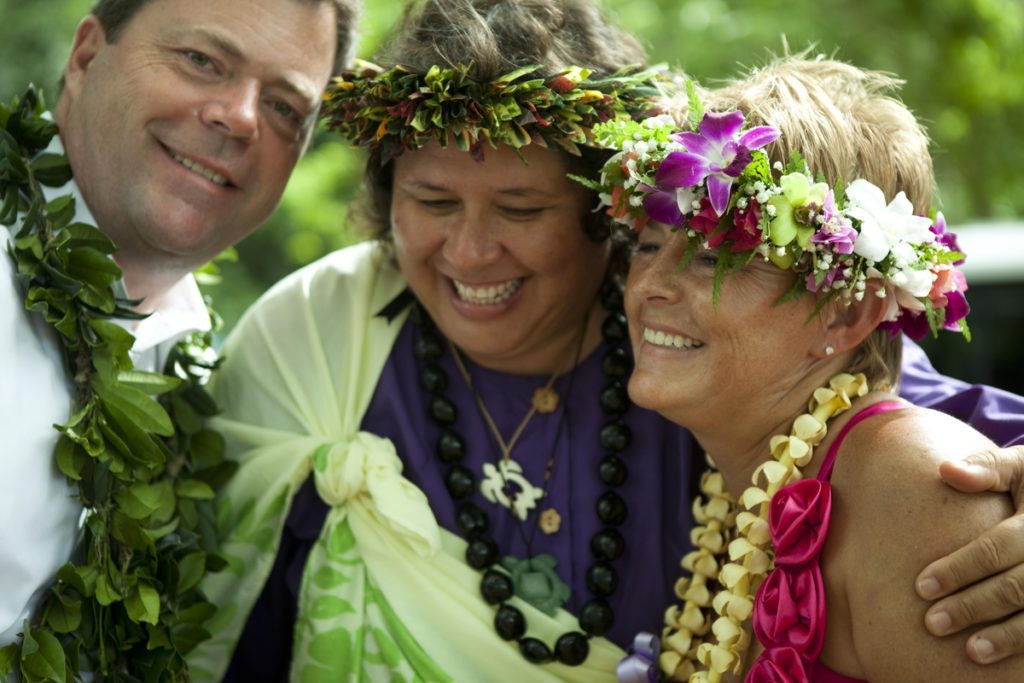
846 124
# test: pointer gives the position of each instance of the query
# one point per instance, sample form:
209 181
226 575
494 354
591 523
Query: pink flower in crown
948 293
832 276
714 154
945 238
911 323
789 610
836 231
778 665
746 232
705 221
798 520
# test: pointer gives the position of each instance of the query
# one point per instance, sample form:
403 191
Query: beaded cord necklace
705 640
547 398
509 473
482 553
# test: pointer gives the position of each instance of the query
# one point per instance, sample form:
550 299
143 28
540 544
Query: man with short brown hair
181 121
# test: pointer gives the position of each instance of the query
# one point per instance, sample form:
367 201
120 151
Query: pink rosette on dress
778 665
789 610
798 521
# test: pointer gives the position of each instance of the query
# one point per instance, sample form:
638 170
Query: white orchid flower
883 226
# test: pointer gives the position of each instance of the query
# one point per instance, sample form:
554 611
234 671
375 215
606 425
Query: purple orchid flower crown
717 184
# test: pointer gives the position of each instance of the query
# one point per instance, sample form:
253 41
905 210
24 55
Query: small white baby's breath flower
636 200
777 166
762 197
741 203
770 210
859 296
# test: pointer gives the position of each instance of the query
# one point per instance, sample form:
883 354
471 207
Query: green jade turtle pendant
537 583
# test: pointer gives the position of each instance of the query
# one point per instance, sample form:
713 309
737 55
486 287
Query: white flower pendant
507 478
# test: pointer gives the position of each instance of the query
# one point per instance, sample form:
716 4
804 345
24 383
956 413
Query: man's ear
851 321
90 39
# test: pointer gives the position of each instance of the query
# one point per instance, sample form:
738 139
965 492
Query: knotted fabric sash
385 593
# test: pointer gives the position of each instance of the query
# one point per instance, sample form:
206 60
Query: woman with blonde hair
783 247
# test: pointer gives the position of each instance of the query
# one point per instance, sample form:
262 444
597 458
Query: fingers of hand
967 476
998 549
1000 469
1001 597
997 642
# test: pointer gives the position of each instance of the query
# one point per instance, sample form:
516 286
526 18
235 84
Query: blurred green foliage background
963 61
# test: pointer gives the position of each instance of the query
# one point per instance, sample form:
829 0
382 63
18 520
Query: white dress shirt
39 515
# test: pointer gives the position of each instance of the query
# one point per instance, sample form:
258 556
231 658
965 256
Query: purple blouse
662 459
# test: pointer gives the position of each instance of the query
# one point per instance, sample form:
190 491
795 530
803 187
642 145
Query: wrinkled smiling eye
707 258
521 213
436 204
285 110
646 248
198 59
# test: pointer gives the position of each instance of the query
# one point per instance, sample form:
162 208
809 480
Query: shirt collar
179 312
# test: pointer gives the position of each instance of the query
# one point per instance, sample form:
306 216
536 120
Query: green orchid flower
797 192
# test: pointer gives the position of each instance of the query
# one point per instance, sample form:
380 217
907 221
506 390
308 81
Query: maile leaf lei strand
127 607
705 640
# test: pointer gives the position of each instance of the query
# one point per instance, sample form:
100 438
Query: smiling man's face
183 132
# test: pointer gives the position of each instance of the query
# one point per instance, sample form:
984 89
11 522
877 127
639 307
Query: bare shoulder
896 455
892 516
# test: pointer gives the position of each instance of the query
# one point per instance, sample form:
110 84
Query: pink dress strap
789 609
825 473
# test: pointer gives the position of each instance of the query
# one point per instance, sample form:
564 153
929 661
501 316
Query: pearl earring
829 350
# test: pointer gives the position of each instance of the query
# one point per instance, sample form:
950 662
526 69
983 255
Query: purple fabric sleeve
997 414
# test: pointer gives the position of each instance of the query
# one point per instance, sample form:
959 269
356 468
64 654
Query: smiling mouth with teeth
670 341
492 294
199 169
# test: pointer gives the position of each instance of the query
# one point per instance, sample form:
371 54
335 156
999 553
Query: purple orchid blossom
833 276
662 205
946 239
714 154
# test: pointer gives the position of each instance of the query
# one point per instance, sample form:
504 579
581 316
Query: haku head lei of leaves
144 467
397 109
716 182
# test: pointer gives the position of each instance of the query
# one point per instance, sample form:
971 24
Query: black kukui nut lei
482 553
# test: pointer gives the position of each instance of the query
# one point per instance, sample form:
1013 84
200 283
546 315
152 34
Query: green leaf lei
127 608
398 109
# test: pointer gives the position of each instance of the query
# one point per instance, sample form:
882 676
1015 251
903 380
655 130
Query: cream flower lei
705 638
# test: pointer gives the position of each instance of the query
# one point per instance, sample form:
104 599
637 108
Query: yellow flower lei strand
721 532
